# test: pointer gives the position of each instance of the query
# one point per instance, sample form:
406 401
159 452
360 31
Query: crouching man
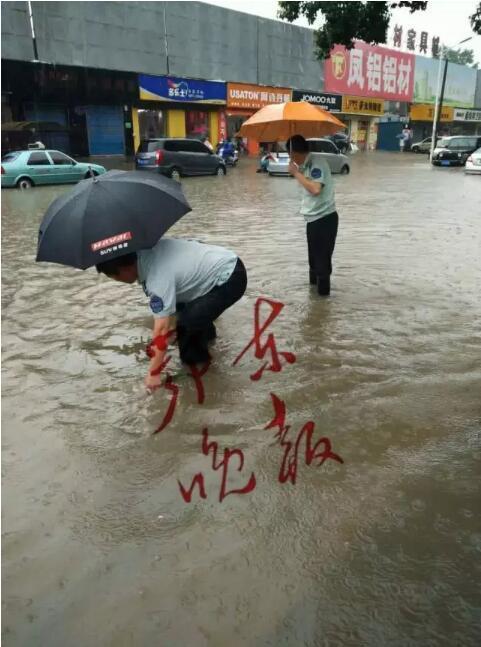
189 285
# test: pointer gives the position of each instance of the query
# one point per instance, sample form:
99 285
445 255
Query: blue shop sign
172 88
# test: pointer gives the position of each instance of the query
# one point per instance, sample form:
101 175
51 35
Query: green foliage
475 20
460 56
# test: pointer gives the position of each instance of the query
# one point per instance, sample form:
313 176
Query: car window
325 146
37 159
149 146
198 147
59 159
444 143
173 145
9 157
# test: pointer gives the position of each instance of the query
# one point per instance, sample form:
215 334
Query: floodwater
100 548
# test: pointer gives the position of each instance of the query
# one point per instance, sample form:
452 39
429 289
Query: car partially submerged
278 164
24 169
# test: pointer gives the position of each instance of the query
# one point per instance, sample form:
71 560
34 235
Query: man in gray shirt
189 284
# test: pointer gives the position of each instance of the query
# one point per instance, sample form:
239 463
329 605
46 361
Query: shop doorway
197 124
151 124
362 134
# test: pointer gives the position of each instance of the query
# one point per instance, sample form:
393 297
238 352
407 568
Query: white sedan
473 163
338 162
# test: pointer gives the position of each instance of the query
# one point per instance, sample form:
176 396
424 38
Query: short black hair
297 144
111 268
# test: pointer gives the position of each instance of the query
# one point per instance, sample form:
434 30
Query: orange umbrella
279 121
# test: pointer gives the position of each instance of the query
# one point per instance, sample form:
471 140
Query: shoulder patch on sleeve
316 172
156 304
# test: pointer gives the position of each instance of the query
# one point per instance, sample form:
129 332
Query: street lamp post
440 95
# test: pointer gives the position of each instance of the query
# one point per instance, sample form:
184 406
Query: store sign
330 102
362 106
425 112
244 95
171 88
466 115
370 71
411 41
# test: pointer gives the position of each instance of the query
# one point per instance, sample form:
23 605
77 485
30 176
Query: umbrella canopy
108 216
279 121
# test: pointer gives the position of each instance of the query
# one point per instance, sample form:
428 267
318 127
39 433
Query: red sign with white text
370 71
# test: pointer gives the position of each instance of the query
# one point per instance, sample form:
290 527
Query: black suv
454 151
176 157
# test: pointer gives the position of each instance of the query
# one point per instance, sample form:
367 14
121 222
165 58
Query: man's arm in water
312 186
163 332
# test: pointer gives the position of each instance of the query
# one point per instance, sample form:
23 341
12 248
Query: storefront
466 121
361 116
180 108
244 99
421 118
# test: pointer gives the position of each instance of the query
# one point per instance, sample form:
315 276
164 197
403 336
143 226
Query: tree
346 21
460 56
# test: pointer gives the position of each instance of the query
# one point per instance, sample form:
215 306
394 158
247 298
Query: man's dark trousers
195 320
321 238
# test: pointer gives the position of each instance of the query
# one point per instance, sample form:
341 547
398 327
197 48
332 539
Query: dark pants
195 320
321 238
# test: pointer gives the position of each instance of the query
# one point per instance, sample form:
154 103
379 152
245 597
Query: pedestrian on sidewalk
189 285
318 208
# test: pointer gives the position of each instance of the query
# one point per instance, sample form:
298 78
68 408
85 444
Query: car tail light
159 157
470 159
3 171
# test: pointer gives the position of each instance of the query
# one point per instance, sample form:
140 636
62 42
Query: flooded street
100 548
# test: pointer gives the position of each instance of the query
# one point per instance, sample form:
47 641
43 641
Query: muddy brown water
100 549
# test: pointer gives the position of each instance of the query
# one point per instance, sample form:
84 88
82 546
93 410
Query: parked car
25 169
338 162
176 157
423 146
341 140
473 163
454 151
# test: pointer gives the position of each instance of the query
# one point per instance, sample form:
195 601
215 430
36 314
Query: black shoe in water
312 277
323 287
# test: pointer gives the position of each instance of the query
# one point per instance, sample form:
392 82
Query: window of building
197 123
151 124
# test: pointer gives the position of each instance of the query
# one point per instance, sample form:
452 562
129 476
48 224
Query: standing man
189 284
318 208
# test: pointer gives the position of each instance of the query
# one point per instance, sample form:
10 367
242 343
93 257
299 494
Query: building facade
97 82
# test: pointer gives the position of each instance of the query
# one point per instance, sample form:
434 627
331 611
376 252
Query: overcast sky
447 19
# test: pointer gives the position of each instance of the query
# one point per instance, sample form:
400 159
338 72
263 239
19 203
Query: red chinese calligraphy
197 374
168 385
261 349
317 454
198 479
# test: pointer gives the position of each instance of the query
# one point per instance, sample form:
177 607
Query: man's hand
152 382
293 168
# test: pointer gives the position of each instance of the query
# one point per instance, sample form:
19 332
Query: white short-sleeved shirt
179 271
313 207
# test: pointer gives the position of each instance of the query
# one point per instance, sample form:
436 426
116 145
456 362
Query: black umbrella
108 216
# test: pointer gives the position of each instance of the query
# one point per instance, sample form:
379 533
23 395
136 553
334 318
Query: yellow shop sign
362 106
425 112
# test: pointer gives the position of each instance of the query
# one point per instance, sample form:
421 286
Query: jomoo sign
329 102
370 71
